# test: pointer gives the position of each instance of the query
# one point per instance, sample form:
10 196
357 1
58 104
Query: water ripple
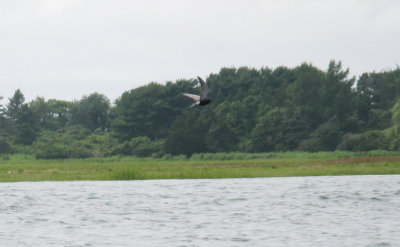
299 211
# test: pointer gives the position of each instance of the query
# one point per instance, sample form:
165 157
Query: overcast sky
69 48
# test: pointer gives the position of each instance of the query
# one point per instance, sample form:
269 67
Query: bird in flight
199 100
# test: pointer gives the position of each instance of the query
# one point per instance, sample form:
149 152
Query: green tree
187 133
15 104
147 111
27 127
91 112
41 110
232 123
338 96
22 119
325 138
4 121
304 94
392 134
376 94
278 129
5 146
59 113
396 113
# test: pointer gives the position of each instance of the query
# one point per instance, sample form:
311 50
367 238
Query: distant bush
5 147
54 145
393 136
138 146
144 147
54 151
5 157
100 143
167 157
367 141
157 155
351 142
309 145
373 140
325 138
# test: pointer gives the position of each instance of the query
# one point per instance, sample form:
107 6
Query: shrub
393 135
367 141
52 151
5 147
325 138
373 140
350 142
54 145
139 146
143 147
309 145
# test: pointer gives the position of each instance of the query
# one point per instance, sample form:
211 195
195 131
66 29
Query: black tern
202 99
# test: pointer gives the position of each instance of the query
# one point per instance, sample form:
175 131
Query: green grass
234 165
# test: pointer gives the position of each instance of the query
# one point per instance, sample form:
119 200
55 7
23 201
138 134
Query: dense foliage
283 109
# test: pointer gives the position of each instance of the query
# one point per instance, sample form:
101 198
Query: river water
295 211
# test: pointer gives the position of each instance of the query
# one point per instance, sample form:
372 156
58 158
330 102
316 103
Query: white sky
65 49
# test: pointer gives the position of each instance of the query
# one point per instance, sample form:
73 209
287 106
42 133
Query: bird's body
199 100
205 102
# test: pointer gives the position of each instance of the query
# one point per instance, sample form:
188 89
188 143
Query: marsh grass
126 173
233 165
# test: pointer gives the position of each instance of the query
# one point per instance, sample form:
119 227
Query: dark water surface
296 211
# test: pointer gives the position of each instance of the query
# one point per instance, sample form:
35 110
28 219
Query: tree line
253 110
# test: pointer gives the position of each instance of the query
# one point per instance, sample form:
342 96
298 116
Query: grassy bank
235 165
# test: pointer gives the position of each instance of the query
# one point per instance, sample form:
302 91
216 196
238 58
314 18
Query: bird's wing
192 96
194 104
204 88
